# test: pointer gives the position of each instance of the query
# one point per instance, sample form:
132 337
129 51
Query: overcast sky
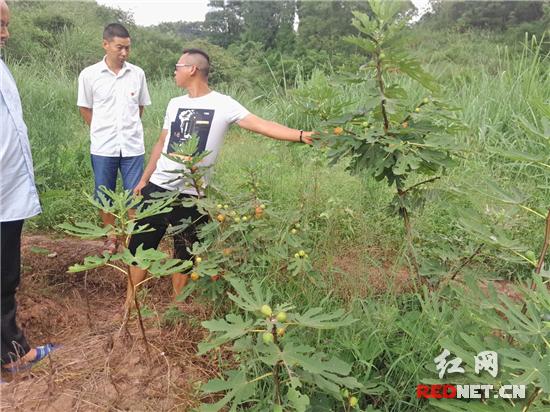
150 12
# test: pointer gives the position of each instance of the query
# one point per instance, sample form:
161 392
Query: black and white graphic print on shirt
189 122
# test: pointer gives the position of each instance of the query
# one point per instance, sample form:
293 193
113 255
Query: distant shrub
53 23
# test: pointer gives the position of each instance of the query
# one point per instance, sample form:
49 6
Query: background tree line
253 41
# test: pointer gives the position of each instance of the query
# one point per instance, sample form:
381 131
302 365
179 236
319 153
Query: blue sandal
41 353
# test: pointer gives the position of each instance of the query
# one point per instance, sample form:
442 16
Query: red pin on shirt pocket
132 97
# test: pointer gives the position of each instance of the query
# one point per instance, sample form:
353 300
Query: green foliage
519 334
407 139
69 33
225 68
339 219
54 23
223 24
269 23
186 30
324 24
390 136
498 234
118 204
318 99
291 365
243 236
155 51
488 14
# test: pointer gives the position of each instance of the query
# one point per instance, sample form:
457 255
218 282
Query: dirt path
100 367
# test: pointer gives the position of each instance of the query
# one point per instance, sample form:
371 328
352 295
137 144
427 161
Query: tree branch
421 183
545 244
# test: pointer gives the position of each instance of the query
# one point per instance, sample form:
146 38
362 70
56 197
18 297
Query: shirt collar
125 66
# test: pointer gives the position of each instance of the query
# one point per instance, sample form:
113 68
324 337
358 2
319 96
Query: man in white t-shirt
111 97
207 114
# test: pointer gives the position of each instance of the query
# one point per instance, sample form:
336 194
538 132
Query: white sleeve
85 97
144 98
235 111
167 121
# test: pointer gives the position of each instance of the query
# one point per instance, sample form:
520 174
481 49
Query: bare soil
99 366
354 276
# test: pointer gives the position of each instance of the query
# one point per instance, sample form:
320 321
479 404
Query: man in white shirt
207 114
111 97
18 201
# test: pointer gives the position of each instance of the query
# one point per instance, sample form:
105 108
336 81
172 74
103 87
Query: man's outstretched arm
274 130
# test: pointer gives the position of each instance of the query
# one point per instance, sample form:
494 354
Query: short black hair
115 30
204 70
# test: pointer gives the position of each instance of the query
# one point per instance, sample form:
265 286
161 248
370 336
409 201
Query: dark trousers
14 344
159 224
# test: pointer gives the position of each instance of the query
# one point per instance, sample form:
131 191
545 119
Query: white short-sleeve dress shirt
18 195
116 128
